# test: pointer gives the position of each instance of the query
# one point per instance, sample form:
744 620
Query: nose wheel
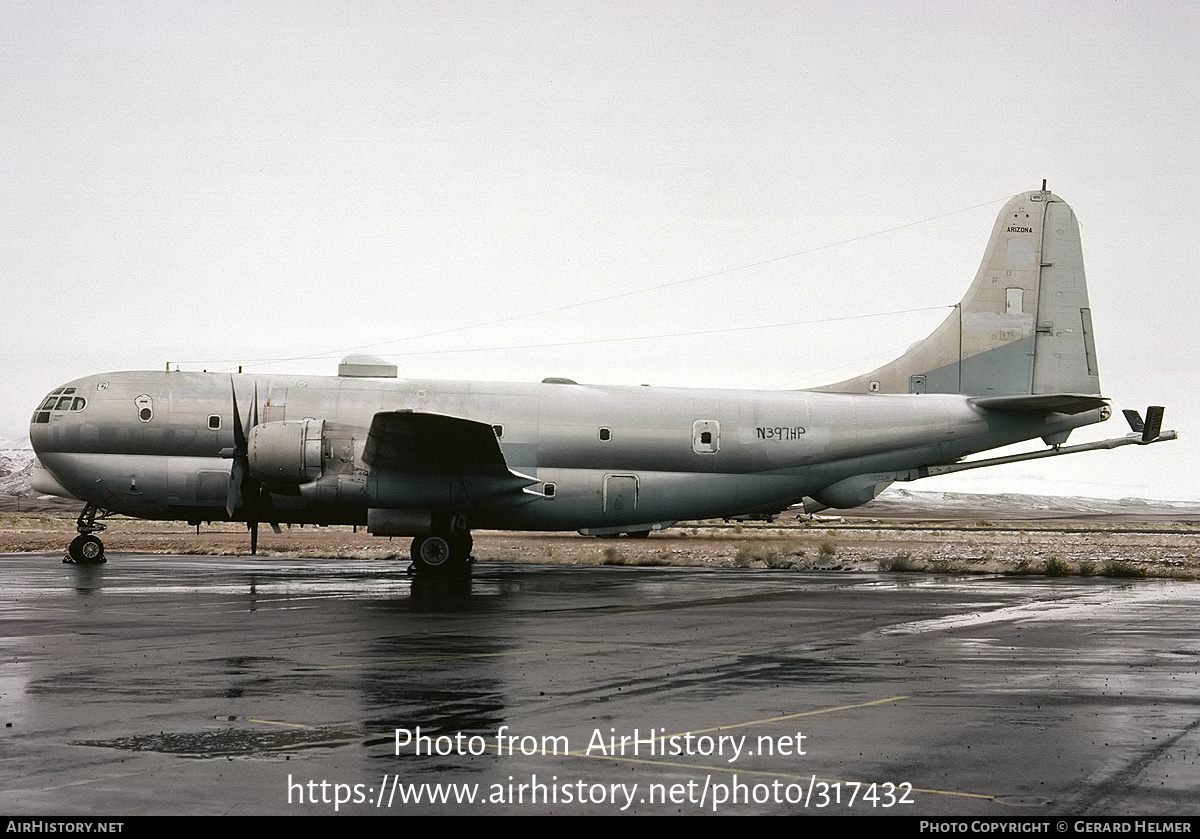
86 548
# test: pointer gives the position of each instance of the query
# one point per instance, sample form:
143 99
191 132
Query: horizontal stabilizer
1134 419
1042 403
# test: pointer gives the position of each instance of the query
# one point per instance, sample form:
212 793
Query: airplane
1014 361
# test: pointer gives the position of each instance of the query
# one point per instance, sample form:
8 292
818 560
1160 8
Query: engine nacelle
288 452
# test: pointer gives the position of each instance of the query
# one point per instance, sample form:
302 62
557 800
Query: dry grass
1126 550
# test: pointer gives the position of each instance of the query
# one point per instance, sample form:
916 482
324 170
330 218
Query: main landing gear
86 548
445 552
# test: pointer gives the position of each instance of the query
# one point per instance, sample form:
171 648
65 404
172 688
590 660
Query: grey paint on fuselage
774 448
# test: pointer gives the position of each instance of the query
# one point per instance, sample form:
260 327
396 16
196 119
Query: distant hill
16 470
958 506
16 467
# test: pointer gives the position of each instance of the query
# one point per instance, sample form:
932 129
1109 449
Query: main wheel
441 553
86 550
431 553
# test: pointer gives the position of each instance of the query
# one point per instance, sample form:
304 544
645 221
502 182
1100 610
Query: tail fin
1024 326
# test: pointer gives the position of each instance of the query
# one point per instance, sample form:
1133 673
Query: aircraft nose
61 402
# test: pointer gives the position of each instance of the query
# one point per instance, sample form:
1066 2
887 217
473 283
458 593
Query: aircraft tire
86 550
441 554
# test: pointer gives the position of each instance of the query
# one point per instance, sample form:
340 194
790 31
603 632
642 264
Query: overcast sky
452 184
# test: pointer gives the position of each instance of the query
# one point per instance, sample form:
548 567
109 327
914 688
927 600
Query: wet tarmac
208 685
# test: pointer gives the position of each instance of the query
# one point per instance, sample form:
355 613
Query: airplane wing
419 458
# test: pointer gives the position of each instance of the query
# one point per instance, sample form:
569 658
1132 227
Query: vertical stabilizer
1023 327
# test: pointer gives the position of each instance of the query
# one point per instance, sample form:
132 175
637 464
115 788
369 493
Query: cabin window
214 422
605 435
549 489
499 431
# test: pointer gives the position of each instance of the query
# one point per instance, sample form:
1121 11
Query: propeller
245 491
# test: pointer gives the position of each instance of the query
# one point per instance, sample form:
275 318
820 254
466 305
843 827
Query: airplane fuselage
159 445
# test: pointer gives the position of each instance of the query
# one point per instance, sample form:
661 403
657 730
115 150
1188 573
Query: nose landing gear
86 548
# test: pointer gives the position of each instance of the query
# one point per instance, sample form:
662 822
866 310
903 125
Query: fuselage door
706 436
620 495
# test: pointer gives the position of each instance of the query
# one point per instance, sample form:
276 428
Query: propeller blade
239 433
245 491
237 473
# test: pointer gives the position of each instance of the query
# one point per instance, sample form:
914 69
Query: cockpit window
59 400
